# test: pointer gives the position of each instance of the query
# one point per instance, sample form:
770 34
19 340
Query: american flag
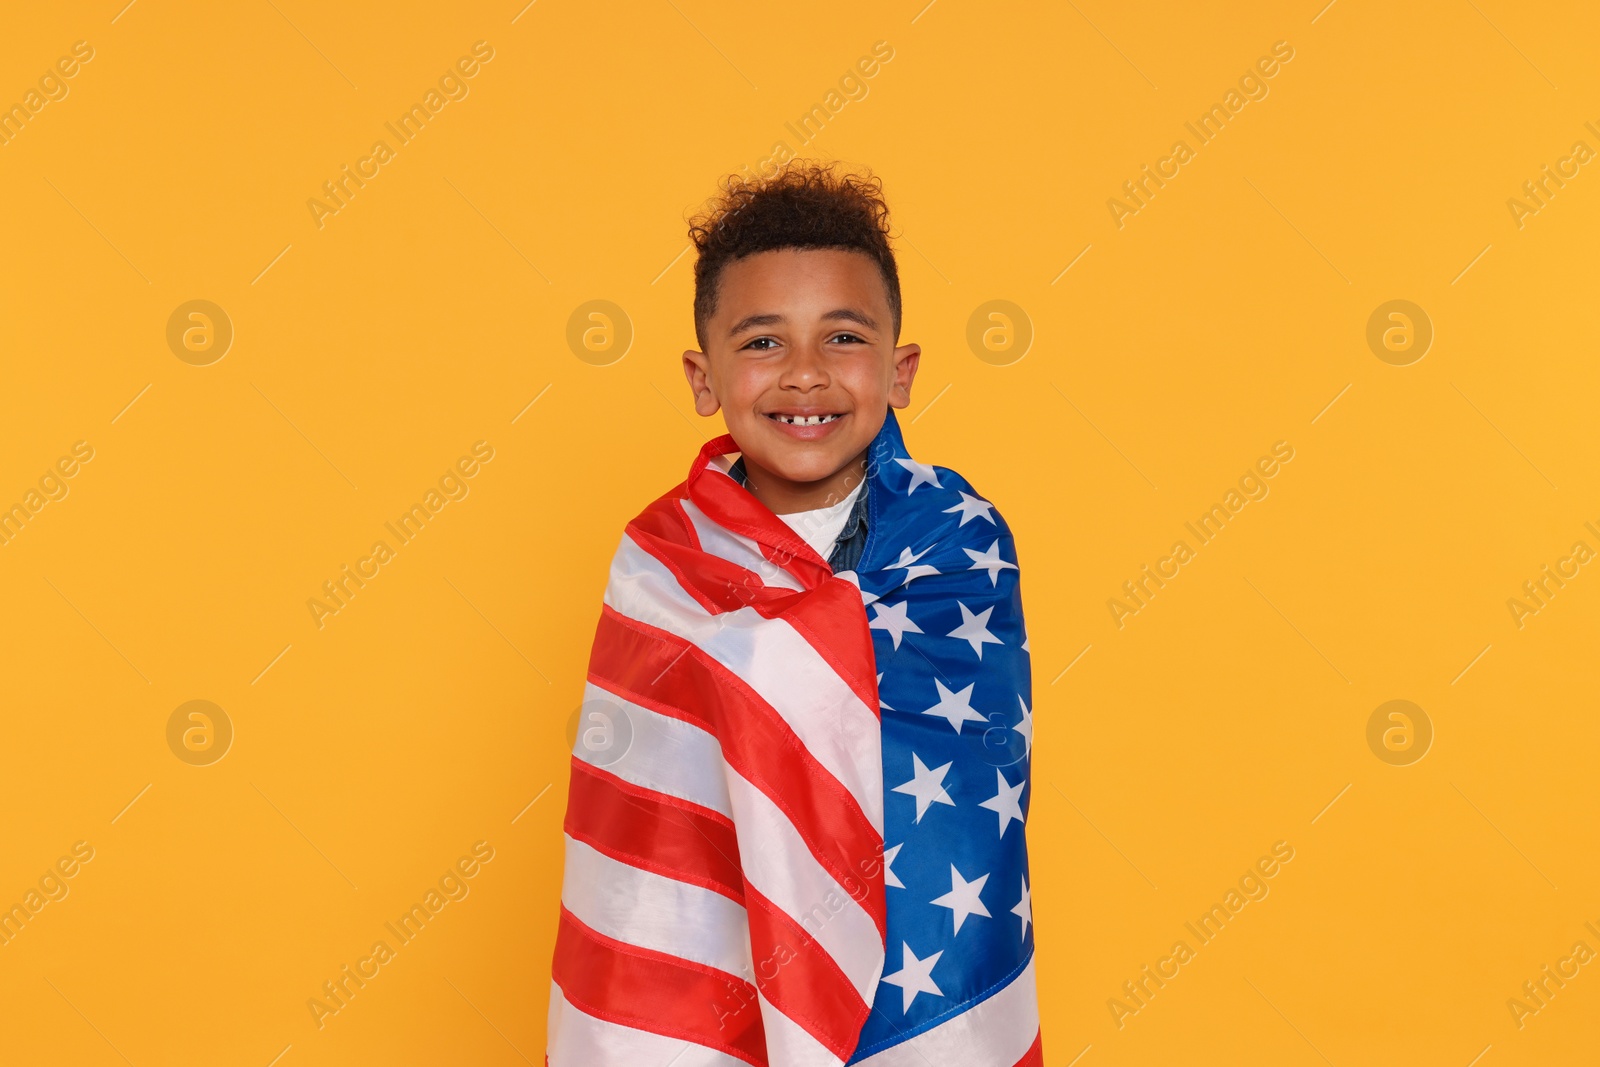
795 820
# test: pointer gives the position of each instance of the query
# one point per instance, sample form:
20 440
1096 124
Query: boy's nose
807 366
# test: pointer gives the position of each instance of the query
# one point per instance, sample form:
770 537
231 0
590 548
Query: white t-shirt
821 527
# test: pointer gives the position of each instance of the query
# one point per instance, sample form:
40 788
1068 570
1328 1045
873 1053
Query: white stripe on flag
662 753
997 1031
639 907
778 865
790 1046
736 548
577 1039
835 725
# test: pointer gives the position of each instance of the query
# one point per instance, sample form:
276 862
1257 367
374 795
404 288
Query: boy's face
801 333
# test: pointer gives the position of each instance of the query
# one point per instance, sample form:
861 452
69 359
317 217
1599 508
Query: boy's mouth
793 419
806 425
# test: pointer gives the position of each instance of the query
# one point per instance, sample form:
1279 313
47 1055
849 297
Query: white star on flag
914 976
893 617
921 473
962 900
974 629
889 877
909 563
1024 726
989 560
972 507
927 786
1005 803
1024 908
955 707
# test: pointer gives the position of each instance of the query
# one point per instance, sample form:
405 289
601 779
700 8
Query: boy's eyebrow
772 319
860 318
768 319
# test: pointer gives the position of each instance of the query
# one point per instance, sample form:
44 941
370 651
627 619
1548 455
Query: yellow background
429 312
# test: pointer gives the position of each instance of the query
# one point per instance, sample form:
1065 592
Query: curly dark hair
805 205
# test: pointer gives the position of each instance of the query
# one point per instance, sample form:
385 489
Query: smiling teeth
805 420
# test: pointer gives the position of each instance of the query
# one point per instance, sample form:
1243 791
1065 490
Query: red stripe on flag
659 833
657 993
667 674
665 519
830 616
801 980
735 508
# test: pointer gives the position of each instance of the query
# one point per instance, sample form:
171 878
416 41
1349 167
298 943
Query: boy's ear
697 369
906 358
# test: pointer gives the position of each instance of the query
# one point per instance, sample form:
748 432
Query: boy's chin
810 465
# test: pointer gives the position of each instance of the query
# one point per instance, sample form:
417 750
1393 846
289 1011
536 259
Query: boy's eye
761 344
849 338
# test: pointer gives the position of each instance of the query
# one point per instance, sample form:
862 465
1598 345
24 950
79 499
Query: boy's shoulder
939 502
932 518
663 517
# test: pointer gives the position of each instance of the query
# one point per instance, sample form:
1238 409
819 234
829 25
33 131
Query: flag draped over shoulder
780 802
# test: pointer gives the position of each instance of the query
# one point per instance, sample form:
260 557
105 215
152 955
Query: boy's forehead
790 277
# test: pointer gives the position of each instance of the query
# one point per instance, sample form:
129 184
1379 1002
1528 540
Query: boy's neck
785 497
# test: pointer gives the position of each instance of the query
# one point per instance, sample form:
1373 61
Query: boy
794 830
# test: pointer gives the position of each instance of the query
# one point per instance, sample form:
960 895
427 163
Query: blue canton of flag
940 580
